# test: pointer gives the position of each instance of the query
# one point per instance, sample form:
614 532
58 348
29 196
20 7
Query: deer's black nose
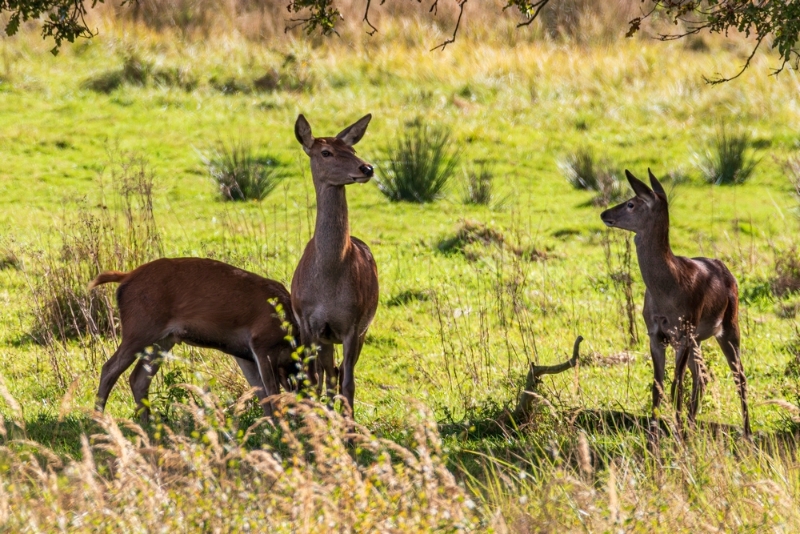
366 169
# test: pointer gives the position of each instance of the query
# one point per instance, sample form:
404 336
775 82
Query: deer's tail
105 278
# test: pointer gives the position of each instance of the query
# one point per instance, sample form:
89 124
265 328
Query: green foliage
778 22
138 72
240 174
726 161
478 185
419 165
584 171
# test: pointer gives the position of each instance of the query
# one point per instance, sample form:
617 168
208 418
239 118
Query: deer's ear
640 188
353 133
657 187
302 131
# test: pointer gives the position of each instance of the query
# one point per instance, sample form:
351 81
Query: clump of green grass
241 174
471 233
726 161
791 168
137 71
10 260
478 185
419 165
786 280
472 238
408 295
583 170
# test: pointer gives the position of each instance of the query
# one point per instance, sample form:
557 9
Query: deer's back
204 296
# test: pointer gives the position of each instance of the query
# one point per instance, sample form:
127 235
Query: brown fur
687 300
200 302
335 285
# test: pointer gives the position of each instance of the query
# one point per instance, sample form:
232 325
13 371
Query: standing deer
686 300
335 285
204 303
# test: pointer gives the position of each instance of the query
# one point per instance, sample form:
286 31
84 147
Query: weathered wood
528 396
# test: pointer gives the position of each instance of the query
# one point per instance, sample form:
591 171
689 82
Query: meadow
102 152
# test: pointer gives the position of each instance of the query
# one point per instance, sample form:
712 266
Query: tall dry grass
118 233
580 21
316 472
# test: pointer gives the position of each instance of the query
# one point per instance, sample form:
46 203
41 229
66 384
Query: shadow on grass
551 440
63 437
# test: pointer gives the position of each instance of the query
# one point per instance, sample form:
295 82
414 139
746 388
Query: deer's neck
332 230
656 260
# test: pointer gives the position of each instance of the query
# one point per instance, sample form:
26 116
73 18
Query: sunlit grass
454 330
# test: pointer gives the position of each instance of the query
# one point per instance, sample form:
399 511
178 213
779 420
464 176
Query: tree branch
373 30
719 80
455 30
536 6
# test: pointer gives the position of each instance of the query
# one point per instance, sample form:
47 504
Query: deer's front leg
658 353
683 353
699 379
352 349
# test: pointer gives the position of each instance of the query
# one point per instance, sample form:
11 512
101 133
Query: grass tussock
240 173
583 170
473 238
419 165
478 188
786 278
408 296
137 71
791 168
728 161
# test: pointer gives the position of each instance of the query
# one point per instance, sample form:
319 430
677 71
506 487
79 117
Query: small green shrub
787 273
240 174
478 185
726 161
138 72
791 167
419 165
407 296
584 171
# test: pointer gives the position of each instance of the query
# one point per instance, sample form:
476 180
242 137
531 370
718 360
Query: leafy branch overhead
772 21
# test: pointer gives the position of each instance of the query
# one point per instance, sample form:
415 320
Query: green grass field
454 330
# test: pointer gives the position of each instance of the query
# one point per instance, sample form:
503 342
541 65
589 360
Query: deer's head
642 212
333 160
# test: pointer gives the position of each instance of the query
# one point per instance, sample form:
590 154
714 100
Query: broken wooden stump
529 395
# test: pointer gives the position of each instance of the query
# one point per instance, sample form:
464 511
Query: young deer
335 285
686 300
204 303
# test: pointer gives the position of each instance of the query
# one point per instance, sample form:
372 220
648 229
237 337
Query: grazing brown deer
687 300
335 285
204 303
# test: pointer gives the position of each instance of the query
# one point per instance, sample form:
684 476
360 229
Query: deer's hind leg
119 362
729 343
142 375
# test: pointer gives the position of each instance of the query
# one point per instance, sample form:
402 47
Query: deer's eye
630 205
326 153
